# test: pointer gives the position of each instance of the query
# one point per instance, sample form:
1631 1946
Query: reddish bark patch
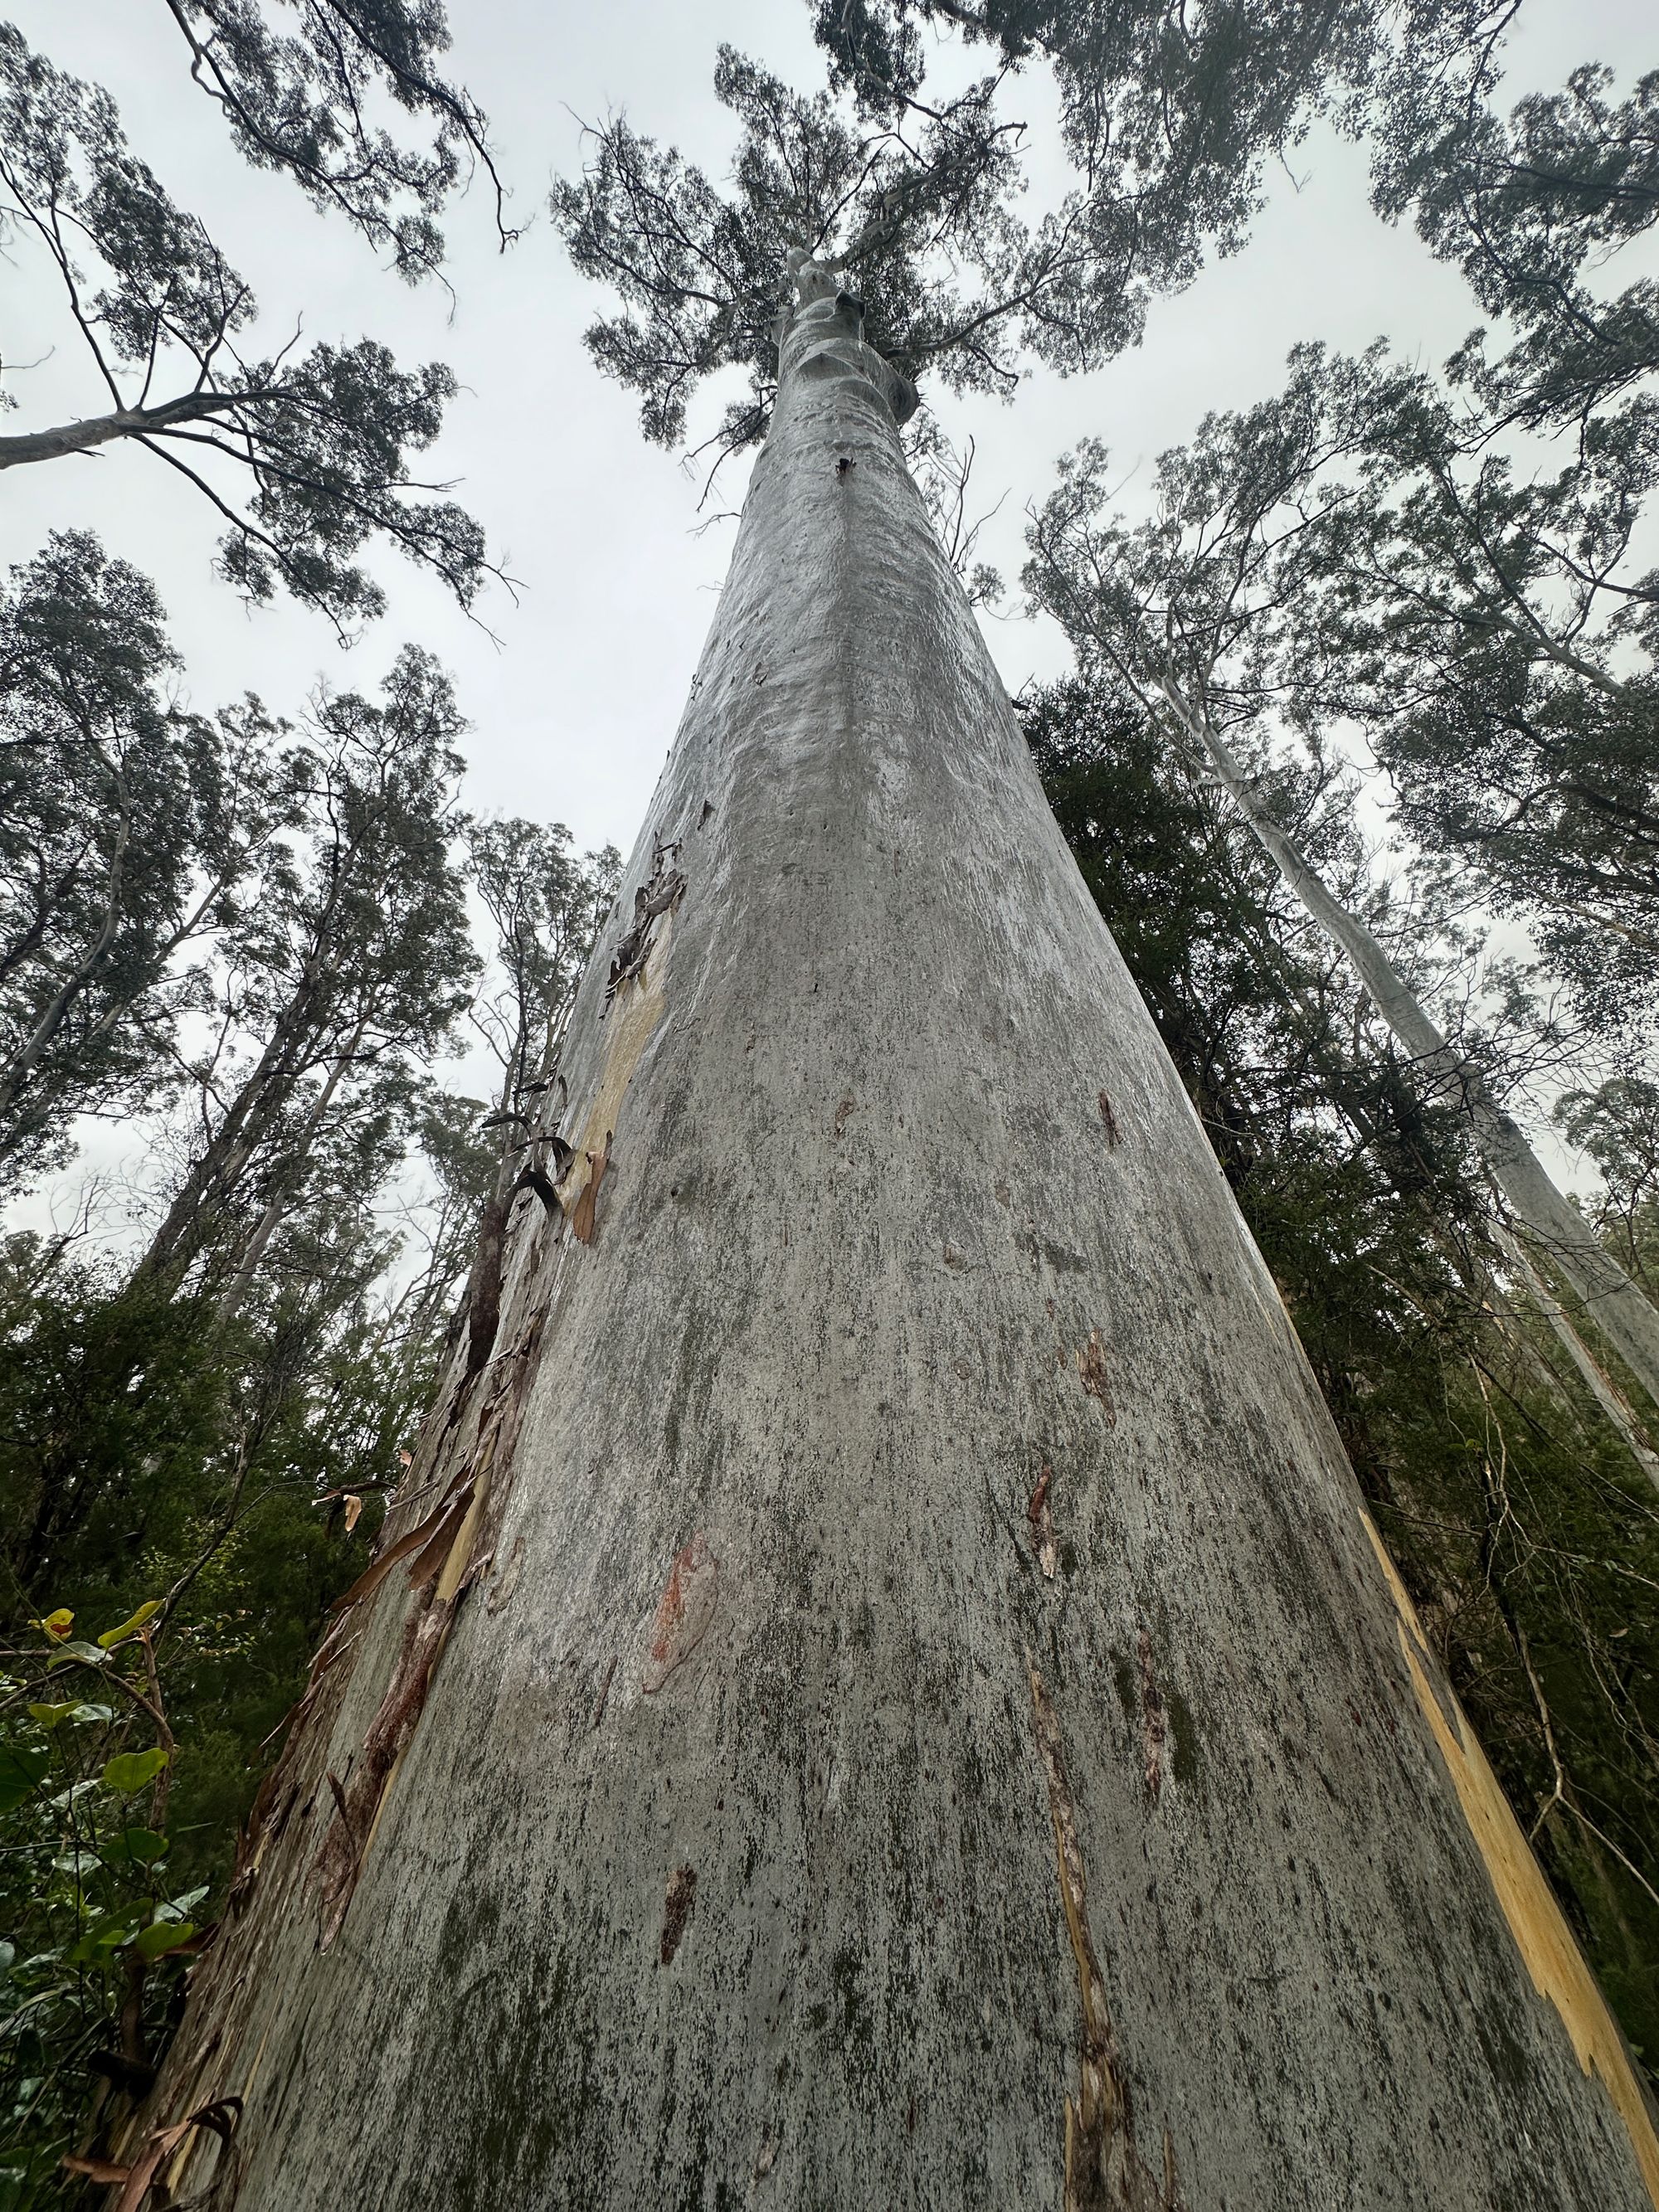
681 1896
684 1611
1104 2170
1091 1371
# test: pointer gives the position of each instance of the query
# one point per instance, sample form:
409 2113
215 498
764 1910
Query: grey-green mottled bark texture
899 1704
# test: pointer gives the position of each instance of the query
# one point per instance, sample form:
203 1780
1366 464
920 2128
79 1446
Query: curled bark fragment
581 1217
218 2118
663 891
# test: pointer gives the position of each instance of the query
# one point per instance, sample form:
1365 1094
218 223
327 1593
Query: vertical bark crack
1104 2169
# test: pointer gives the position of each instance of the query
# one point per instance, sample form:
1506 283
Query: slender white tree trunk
1618 1307
1611 1401
901 1705
289 1185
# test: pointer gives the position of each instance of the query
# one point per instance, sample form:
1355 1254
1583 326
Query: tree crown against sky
298 85
1368 555
307 455
1169 131
131 829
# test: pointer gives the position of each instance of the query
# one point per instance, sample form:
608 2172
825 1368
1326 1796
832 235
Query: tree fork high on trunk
899 1703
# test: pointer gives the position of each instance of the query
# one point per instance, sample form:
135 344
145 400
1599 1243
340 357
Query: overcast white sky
572 713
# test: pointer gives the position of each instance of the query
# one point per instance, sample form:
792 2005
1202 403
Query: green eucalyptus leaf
107 1933
72 1795
72 1708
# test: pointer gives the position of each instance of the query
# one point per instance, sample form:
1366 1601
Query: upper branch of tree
295 100
326 437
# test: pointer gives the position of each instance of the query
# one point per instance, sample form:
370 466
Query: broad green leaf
162 1936
146 1611
130 1770
72 1710
49 1715
138 1846
72 1795
87 1654
107 1933
22 1772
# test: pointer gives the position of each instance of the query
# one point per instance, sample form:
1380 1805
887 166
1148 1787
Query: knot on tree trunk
821 334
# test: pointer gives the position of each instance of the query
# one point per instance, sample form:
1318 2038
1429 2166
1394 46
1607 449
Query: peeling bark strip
684 1611
631 1024
1154 1721
451 1547
1091 1368
136 2181
661 895
1104 2170
581 1214
340 1861
682 1895
1541 1935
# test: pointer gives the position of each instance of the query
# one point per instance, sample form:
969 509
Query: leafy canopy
323 444
297 84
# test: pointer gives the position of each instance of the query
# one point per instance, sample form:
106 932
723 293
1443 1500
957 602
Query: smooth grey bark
1619 1306
900 1705
21 447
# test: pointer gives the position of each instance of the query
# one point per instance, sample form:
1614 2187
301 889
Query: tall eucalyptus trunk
882 1690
